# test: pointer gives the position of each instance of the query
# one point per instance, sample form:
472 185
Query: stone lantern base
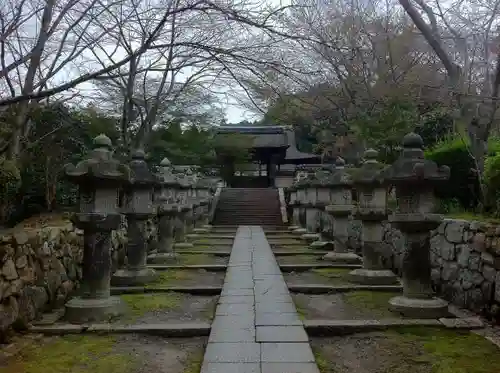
348 258
84 310
162 258
322 245
207 226
131 277
299 231
183 245
373 277
430 308
310 237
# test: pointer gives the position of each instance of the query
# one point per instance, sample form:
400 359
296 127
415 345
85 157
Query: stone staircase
248 206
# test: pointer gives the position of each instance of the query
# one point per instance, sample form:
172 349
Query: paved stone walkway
256 327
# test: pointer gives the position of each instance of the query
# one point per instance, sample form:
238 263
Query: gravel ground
367 353
161 355
341 307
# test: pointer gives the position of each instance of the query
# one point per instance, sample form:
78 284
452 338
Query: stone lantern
185 208
203 188
310 206
324 219
194 200
300 203
372 211
415 179
167 211
294 218
99 178
138 208
340 209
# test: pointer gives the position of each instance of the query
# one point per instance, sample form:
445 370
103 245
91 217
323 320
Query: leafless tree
464 35
148 50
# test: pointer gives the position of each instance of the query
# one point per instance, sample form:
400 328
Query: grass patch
448 351
169 277
72 354
140 304
374 301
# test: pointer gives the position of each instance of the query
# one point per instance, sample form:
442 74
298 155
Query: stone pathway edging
256 327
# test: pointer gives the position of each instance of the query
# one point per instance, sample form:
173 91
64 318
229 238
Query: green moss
140 304
376 302
193 363
195 259
301 311
322 362
473 216
213 241
284 242
332 272
169 277
449 351
334 275
72 354
298 259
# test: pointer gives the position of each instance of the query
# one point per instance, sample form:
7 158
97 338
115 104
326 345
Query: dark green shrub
492 184
463 185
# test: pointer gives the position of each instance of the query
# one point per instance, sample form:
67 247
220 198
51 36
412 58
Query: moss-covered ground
140 304
298 259
335 275
72 354
410 349
374 302
170 278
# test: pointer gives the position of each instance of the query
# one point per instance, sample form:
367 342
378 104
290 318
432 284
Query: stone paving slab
232 368
281 334
256 327
289 368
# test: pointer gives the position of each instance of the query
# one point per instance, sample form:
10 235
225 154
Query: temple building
273 147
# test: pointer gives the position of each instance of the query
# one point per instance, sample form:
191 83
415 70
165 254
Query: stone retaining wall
465 259
40 268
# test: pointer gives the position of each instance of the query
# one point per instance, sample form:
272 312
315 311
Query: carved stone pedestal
180 229
166 220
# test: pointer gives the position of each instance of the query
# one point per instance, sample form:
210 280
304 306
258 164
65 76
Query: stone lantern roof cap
165 162
184 177
370 171
341 177
140 174
412 167
100 166
165 176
